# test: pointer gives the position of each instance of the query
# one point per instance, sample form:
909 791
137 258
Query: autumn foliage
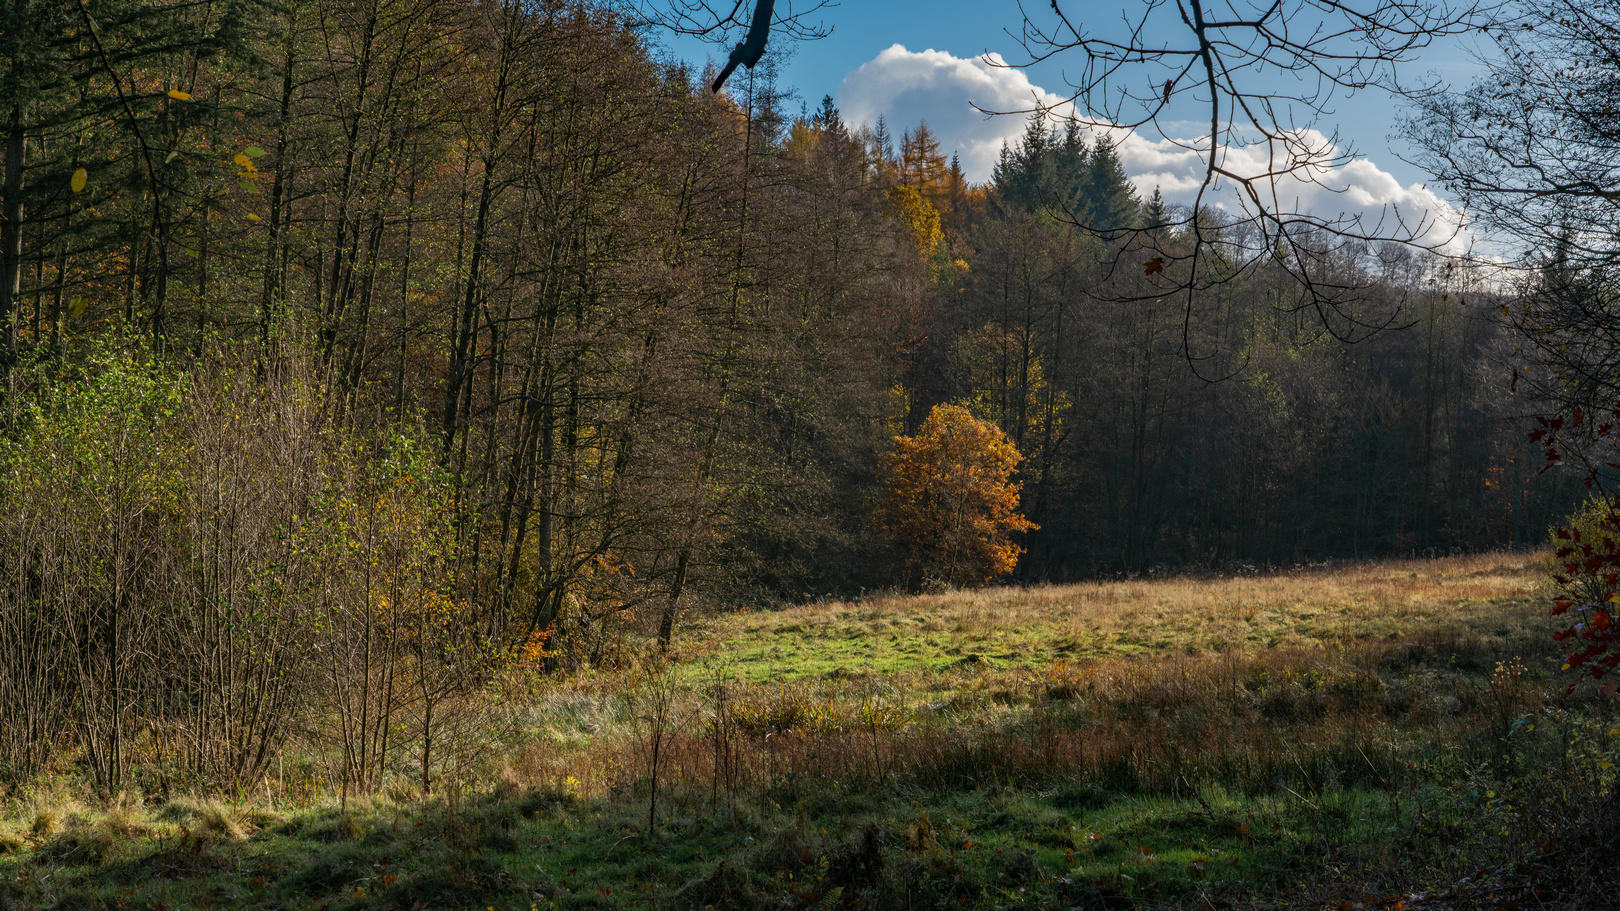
1586 559
920 219
950 504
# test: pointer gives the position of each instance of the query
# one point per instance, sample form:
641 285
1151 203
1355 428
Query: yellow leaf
79 177
242 161
252 217
178 95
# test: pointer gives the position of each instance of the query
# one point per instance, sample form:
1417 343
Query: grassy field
1350 737
1034 627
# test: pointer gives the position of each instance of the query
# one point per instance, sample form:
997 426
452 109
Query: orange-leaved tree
950 502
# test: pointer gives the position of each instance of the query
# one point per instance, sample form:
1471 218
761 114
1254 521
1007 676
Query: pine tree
1024 179
827 115
955 180
1110 200
1156 214
881 152
836 141
1071 167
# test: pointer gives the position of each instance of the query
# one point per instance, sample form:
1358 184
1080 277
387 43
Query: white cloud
1355 189
907 86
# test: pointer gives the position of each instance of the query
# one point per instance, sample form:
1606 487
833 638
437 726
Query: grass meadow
1380 735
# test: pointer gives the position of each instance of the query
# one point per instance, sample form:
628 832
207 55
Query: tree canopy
950 502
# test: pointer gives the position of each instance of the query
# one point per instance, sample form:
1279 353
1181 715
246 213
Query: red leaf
1153 266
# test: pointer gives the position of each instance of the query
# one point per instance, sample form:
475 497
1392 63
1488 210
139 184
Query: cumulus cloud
951 92
908 86
1350 190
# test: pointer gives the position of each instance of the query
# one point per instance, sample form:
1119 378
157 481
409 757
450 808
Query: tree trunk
11 242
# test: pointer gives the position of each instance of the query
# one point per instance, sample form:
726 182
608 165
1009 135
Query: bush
196 567
1586 569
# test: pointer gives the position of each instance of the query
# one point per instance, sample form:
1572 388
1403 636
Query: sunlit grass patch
1031 627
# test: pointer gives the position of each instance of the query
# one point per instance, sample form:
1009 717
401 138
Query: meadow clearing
1389 734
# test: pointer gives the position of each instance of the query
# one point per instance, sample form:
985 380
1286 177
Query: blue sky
862 28
878 60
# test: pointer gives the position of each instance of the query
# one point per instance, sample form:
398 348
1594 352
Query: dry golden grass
1485 595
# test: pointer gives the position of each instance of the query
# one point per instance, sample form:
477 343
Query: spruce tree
1025 178
1156 214
882 152
1110 200
1071 165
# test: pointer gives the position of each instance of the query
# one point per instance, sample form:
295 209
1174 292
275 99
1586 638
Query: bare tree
1264 73
1531 149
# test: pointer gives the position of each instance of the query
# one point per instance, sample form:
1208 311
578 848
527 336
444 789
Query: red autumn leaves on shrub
1587 556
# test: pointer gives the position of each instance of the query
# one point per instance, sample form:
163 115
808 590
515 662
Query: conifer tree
1110 200
881 150
1156 214
922 166
1024 178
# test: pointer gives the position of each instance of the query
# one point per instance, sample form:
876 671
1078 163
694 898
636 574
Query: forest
361 360
454 456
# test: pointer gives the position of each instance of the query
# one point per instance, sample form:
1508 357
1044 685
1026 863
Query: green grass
1294 740
980 848
1035 627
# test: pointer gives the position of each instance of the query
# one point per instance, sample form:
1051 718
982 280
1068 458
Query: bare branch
1265 72
721 22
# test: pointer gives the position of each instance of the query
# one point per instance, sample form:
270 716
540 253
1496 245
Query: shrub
1586 569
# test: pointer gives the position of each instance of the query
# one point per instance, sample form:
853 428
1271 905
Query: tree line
1238 432
359 347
